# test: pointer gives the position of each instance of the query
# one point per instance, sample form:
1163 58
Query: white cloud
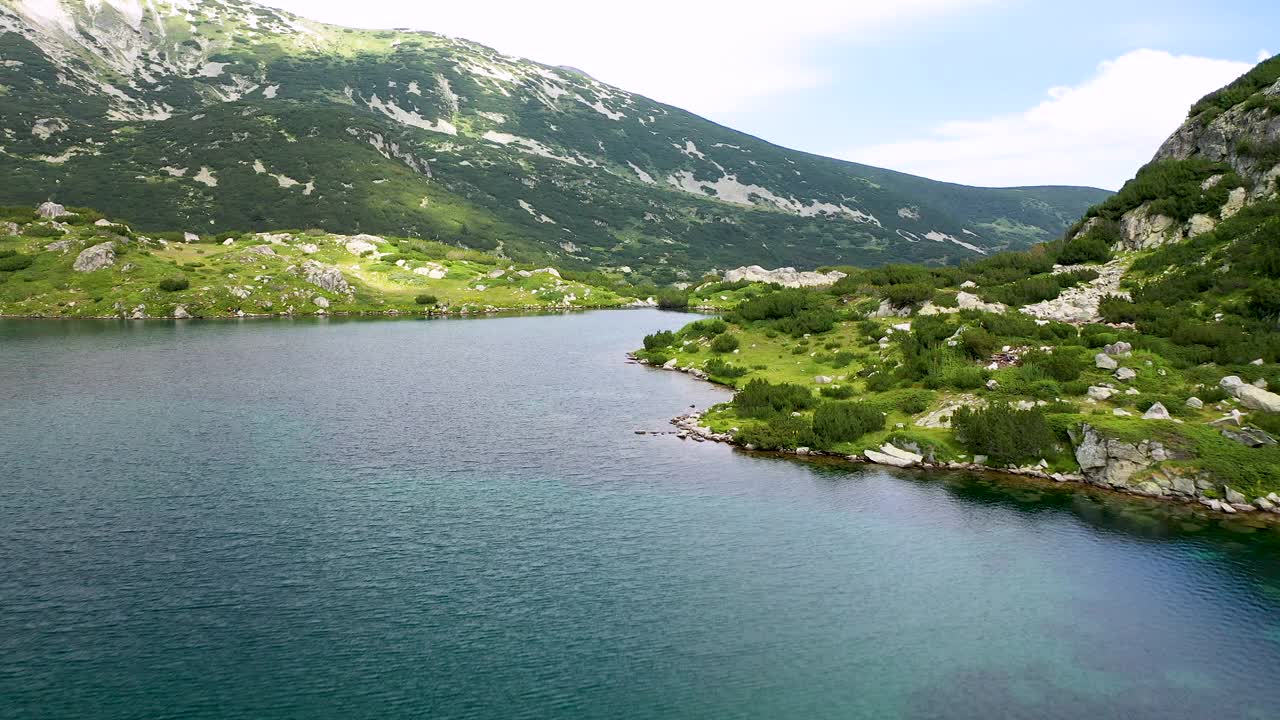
1096 133
1264 54
708 56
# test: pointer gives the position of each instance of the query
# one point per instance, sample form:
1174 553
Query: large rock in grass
786 277
1251 397
1157 411
51 210
324 276
98 257
361 244
1104 361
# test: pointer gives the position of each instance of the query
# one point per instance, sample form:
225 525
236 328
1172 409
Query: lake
455 519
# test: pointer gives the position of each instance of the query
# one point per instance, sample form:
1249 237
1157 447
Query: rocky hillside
223 115
75 263
1140 353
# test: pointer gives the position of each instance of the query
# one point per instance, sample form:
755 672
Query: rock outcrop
51 210
786 277
97 257
1254 398
1122 465
325 277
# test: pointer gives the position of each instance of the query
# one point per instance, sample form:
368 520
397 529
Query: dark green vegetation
245 123
1247 89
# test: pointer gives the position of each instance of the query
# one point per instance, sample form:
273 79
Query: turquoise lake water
455 519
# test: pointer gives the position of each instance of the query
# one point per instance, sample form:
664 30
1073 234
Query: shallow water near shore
455 519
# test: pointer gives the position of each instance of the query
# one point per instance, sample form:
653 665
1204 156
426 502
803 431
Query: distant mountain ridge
222 115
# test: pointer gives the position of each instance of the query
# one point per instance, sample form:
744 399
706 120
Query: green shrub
762 399
1089 248
717 367
780 304
1064 364
879 382
781 432
946 299
659 340
903 295
15 262
724 343
837 422
914 402
429 300
174 284
673 299
43 231
979 344
1004 433
836 392
705 328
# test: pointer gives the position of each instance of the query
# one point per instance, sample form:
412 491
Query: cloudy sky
983 92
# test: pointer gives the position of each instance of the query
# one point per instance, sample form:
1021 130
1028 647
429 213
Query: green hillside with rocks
1140 352
233 117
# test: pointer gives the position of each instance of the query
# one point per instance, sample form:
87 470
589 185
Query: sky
980 92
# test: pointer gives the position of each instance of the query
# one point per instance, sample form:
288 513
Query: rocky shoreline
1107 463
518 309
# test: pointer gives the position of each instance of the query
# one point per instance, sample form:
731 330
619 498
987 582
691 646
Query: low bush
837 422
1090 248
705 328
782 432
14 262
427 300
659 340
763 399
1064 364
837 392
174 284
914 402
673 299
717 367
1004 433
724 343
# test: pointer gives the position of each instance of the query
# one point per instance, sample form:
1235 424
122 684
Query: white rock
320 301
786 277
361 244
880 458
895 451
823 380
1157 412
1195 403
1100 393
1121 412
1104 361
190 237
1254 398
1126 374
97 257
50 210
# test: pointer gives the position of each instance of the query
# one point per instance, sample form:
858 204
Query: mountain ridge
229 116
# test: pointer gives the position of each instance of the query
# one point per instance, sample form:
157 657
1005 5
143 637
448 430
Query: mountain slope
226 115
1140 353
